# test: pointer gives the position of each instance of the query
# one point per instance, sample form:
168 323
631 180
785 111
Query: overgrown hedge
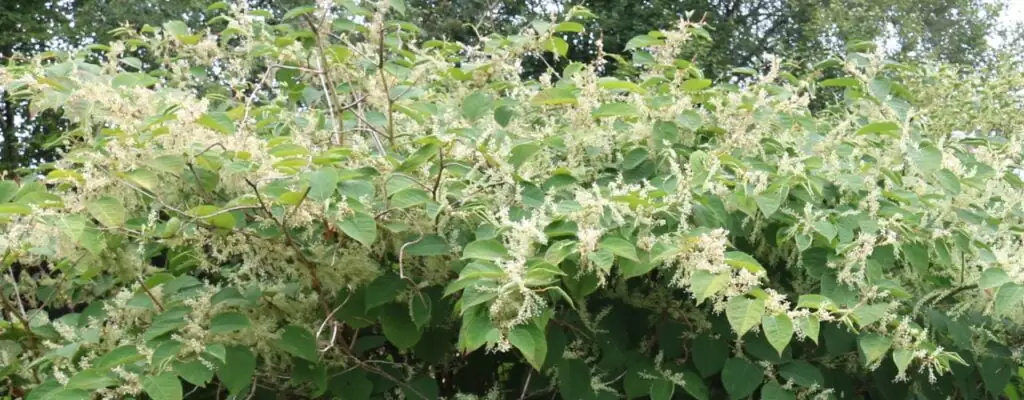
320 205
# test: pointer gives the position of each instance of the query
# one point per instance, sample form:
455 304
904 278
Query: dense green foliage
36 26
319 204
798 30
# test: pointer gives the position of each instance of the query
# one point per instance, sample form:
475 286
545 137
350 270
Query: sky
1015 10
1014 13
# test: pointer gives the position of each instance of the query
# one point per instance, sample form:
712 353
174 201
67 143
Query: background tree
741 32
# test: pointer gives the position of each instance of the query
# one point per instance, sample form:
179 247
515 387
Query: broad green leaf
619 247
694 85
643 41
384 290
298 11
91 379
476 330
322 183
410 197
769 202
773 391
630 269
778 329
398 326
351 384
118 356
144 178
603 259
169 163
826 229
62 394
810 327
422 387
522 153
169 321
739 259
531 342
15 209
476 105
993 278
694 386
662 389
882 128
873 347
299 342
503 115
996 373
556 96
1009 298
217 121
428 245
7 190
361 227
744 71
165 386
229 322
474 295
420 157
555 45
615 84
635 157
574 380
917 255
744 313
840 82
869 313
704 284
741 377
489 249
902 359
802 373
398 5
542 273
709 354
615 110
420 308
213 215
108 211
815 301
194 372
569 26
176 27
928 159
949 181
241 365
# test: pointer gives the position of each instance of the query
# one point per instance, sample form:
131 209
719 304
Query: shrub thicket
322 205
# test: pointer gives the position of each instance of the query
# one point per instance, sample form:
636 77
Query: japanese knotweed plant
321 205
